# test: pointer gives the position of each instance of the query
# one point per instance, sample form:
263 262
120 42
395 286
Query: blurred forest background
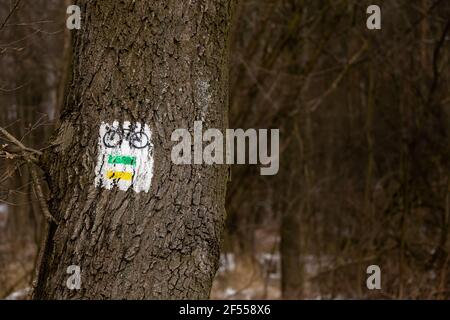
364 121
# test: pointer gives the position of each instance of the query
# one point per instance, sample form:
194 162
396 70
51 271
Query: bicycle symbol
114 137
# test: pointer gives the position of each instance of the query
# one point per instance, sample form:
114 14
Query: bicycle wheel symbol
112 138
139 140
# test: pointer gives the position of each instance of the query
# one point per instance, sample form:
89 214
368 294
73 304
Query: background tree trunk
165 64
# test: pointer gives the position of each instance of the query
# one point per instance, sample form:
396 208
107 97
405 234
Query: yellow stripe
119 175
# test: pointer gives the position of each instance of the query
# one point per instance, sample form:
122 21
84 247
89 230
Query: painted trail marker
125 157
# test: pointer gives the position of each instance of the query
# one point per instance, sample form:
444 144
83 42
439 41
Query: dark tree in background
364 153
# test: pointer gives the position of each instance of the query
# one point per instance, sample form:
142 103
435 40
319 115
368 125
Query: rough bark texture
163 63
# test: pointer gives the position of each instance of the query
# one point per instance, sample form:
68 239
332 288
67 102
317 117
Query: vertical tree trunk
291 265
160 63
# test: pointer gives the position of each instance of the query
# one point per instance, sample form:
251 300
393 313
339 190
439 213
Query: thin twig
317 102
32 161
40 194
19 144
16 5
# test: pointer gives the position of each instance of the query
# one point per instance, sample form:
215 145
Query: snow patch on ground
19 294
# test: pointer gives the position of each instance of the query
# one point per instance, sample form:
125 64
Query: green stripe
122 160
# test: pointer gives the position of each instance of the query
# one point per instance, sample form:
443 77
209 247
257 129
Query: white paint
142 171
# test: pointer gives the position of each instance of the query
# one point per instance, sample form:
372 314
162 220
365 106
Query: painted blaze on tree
125 157
158 64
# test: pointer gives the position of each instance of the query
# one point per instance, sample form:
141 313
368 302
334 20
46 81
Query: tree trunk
159 63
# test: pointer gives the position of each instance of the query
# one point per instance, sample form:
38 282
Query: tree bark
162 63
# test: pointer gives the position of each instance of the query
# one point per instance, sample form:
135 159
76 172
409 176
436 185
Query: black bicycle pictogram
114 137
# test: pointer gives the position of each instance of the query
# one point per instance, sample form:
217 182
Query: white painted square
125 157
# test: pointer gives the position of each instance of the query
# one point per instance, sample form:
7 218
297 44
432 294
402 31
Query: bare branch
29 155
16 5
40 194
20 145
317 102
